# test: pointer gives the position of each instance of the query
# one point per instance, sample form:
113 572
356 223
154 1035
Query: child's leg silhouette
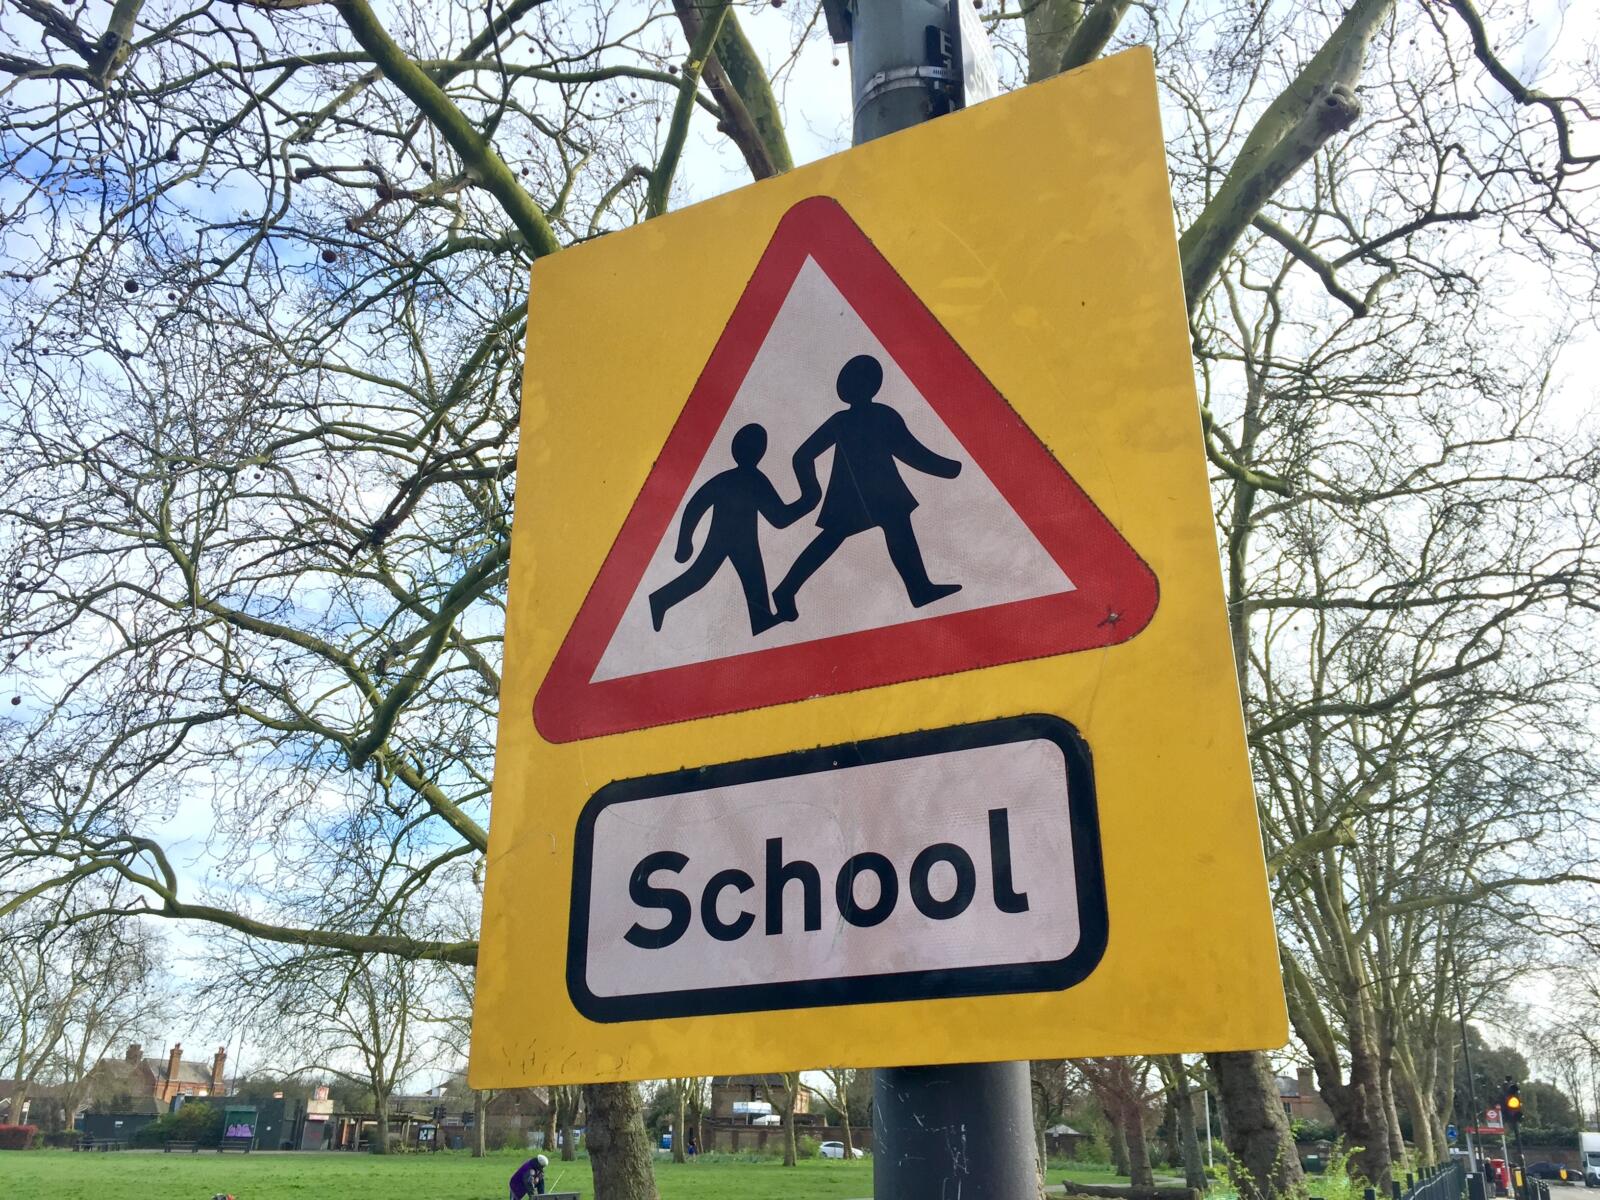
813 556
753 578
675 591
907 558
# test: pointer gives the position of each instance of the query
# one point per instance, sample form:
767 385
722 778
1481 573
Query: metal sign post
968 1125
1474 1162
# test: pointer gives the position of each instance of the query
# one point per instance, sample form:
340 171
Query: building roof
771 1081
1288 1085
533 1099
8 1087
188 1072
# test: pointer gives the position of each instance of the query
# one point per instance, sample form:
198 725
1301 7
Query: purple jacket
528 1180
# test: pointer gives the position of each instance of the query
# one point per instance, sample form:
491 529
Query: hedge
17 1137
199 1123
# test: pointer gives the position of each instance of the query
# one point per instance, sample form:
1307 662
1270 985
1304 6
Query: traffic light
1511 1104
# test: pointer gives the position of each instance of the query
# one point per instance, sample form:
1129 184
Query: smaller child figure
735 498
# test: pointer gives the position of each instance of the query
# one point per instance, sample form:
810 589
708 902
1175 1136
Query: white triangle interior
967 531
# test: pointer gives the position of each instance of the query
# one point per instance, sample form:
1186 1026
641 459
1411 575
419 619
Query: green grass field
151 1175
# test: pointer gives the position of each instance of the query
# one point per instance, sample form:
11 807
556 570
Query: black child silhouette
736 498
865 490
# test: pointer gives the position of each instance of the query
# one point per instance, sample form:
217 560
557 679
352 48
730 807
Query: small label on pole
980 77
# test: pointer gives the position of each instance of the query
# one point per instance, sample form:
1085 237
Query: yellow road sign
868 696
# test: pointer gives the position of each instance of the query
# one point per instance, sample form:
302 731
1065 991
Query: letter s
645 896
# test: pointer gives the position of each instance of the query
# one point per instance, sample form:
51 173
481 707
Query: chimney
217 1064
172 1062
1308 1086
135 1052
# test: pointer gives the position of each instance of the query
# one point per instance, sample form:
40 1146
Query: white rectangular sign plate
953 862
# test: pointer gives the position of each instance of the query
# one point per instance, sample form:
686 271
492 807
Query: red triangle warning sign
845 502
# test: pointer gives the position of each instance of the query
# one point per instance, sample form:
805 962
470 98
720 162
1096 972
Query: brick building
1300 1098
728 1090
159 1080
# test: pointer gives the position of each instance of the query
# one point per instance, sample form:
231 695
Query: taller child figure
865 490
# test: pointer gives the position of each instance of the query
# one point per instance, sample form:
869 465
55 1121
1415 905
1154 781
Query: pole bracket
895 79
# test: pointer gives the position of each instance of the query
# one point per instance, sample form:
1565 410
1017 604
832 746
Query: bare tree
1056 1086
836 1096
361 1018
784 1102
1175 1079
566 1103
68 998
1121 1086
450 1014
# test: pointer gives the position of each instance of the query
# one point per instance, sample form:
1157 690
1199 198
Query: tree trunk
480 1137
680 1121
1194 1168
1118 1141
380 1135
1257 1130
1391 1120
19 1101
791 1151
1421 1123
1171 1150
1139 1173
1369 1125
550 1121
1049 25
844 1119
569 1134
619 1148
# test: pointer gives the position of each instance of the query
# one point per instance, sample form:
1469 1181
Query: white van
1589 1158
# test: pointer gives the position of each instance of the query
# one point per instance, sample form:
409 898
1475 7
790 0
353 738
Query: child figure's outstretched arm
692 513
905 446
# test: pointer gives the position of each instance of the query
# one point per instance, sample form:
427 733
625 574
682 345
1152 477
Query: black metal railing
1447 1181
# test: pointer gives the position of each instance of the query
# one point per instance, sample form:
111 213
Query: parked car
1546 1170
836 1150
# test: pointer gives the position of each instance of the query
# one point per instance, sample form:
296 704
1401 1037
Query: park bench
1104 1191
101 1144
171 1144
242 1144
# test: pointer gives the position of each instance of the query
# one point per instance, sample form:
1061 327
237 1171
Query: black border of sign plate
991 980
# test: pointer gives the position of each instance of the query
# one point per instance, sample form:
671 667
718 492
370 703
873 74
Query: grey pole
964 1130
903 68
